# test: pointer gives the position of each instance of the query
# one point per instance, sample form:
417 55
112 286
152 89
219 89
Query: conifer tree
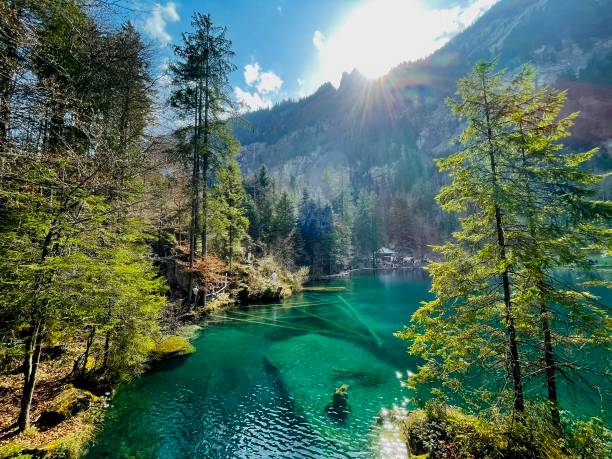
557 225
514 175
471 322
202 97
66 184
228 217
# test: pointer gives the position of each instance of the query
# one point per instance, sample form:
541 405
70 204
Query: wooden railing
218 287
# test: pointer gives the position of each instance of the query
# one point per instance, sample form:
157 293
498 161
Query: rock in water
339 408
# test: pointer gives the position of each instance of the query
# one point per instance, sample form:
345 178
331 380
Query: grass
440 430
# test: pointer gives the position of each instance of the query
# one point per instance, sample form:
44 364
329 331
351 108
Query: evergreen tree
366 226
557 225
471 322
284 217
526 212
202 97
67 185
229 220
261 189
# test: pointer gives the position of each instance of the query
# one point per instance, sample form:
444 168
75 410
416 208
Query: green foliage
228 220
173 346
442 431
367 229
74 259
524 206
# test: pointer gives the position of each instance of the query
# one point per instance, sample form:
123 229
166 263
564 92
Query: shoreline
350 271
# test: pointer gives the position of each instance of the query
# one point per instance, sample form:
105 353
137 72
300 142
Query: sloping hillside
386 132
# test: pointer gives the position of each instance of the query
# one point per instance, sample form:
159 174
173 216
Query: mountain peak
352 80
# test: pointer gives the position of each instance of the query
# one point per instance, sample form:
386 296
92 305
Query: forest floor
52 379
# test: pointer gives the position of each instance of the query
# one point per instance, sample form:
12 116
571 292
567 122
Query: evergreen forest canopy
94 209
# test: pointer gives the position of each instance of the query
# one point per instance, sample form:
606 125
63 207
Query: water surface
258 385
261 378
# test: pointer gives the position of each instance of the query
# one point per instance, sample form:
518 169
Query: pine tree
228 217
203 97
284 217
460 330
366 226
526 213
557 225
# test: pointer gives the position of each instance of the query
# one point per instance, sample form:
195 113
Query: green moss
13 450
68 447
439 428
188 331
173 346
65 405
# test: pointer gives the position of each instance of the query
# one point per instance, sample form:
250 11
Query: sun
377 35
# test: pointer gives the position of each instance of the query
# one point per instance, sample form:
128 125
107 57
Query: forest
118 242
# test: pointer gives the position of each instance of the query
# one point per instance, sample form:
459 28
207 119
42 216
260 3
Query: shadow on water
168 364
281 389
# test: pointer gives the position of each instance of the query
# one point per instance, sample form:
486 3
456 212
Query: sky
288 48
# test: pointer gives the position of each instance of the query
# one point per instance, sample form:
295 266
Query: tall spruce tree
203 98
557 225
228 212
471 322
526 212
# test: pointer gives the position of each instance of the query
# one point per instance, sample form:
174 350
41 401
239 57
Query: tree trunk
195 205
549 361
106 349
549 355
231 245
205 156
33 347
515 364
519 403
88 343
10 22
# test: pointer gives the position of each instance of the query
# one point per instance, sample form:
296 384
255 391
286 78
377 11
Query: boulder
171 346
65 405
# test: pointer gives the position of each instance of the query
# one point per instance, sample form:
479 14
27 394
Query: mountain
387 131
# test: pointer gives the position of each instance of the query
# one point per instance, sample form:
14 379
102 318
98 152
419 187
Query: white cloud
250 101
269 82
318 40
263 83
155 24
251 73
300 82
380 34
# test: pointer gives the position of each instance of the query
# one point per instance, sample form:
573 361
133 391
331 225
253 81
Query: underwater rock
68 403
339 408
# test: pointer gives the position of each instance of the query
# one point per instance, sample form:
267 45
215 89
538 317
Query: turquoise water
258 385
261 378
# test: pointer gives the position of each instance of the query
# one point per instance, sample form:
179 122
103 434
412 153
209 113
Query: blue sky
288 48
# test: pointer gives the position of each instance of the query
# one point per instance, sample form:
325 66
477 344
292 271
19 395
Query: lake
261 379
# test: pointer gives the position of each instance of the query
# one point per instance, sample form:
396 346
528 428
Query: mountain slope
386 132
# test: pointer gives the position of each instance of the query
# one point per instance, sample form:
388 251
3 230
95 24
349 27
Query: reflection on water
261 378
